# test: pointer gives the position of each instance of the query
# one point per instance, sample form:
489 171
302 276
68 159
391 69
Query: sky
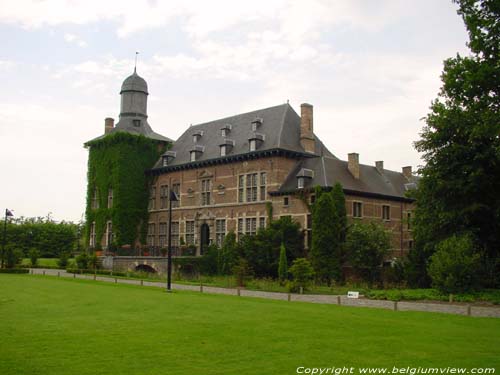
370 68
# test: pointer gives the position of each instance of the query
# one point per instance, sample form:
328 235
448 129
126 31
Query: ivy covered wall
119 161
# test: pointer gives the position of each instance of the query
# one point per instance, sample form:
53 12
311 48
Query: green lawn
65 326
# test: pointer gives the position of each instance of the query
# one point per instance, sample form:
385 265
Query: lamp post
172 197
4 240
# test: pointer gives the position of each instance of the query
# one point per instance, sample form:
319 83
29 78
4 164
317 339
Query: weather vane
135 65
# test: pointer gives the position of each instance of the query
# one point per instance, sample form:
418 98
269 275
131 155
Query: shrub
302 273
13 256
93 261
82 261
14 270
33 254
209 261
242 271
366 246
63 260
454 267
228 254
283 265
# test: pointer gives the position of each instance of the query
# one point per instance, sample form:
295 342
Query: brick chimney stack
407 172
353 164
306 128
380 166
109 124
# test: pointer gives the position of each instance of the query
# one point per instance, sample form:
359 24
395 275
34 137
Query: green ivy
119 161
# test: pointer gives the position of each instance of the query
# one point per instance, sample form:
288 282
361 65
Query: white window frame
354 203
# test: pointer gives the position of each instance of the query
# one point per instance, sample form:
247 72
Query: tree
326 243
242 271
34 254
302 273
367 245
454 266
458 191
283 264
228 254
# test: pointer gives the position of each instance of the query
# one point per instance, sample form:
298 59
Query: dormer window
303 177
197 136
167 158
255 141
224 131
195 152
256 123
137 123
226 147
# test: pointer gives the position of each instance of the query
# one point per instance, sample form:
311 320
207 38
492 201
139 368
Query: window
176 188
241 187
163 196
285 201
109 233
300 183
410 245
206 187
190 232
110 197
253 145
262 222
223 150
263 183
357 209
386 212
313 198
240 228
175 234
152 198
92 235
162 231
252 187
165 161
220 231
137 123
193 156
95 200
408 219
223 132
251 226
151 234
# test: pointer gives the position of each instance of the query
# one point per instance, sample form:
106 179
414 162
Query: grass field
67 326
45 262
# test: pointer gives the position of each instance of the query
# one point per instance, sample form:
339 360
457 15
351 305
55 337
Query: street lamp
7 214
171 198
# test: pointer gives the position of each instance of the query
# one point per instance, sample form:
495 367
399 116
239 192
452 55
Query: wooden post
142 282
395 305
43 272
58 274
469 310
94 277
74 275
116 280
301 290
201 287
451 298
238 292
289 297
339 301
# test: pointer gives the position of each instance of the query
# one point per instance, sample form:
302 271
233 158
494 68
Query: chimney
109 124
306 128
380 166
353 164
407 172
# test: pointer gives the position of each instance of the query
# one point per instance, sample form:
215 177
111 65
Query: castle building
229 174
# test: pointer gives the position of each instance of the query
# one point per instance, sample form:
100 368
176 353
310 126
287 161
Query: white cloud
74 39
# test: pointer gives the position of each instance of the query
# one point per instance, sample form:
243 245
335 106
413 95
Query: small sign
352 294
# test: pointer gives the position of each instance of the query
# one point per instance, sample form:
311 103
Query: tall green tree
283 264
458 191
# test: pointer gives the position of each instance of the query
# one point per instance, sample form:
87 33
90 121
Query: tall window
252 187
177 190
109 233
223 150
263 183
162 234
110 197
262 222
92 235
95 200
190 232
241 188
357 209
151 234
206 187
386 212
408 219
192 156
220 231
240 228
175 234
251 226
253 145
152 198
164 196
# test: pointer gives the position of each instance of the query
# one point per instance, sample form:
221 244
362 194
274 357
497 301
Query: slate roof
280 129
125 125
328 171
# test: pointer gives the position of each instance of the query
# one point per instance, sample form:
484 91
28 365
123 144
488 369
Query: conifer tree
283 264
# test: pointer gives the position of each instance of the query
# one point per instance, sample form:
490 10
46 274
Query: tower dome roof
134 83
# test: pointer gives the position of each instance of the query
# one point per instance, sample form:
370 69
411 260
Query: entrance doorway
205 238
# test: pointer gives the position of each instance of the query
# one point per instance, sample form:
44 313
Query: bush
187 265
454 267
33 254
242 271
13 256
14 270
366 246
283 265
93 261
209 261
63 260
302 273
82 261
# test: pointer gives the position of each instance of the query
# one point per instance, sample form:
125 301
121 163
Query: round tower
134 97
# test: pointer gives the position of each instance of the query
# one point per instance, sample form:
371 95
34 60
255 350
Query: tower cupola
134 97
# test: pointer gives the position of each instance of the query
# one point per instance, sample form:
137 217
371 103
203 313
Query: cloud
74 39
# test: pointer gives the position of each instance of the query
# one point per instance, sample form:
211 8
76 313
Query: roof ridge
239 114
324 169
